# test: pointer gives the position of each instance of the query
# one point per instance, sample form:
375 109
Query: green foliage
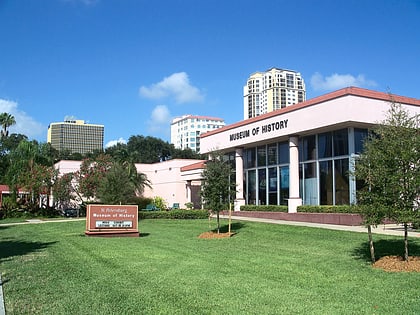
189 205
271 208
116 187
328 209
174 214
390 169
159 203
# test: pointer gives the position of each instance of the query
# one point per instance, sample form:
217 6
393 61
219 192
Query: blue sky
133 65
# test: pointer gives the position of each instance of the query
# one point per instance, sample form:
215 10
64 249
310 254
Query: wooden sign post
112 220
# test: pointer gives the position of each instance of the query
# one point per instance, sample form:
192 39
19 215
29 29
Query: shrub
270 208
328 209
160 203
174 214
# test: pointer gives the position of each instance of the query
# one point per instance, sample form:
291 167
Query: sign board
112 220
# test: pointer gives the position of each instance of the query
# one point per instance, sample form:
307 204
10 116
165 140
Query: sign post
112 220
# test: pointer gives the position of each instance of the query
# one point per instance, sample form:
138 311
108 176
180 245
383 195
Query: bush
328 209
141 202
174 214
270 208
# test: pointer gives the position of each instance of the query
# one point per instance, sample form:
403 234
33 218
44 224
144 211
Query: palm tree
6 120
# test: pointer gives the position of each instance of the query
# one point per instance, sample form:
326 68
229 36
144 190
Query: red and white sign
109 220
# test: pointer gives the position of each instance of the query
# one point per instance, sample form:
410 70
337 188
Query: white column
239 165
188 191
294 198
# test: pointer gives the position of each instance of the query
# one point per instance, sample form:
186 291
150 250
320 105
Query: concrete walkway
388 229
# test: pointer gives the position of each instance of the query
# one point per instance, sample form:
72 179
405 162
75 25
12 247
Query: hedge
174 214
270 208
304 209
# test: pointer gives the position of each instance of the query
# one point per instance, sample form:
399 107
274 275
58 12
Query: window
307 150
341 142
262 156
283 152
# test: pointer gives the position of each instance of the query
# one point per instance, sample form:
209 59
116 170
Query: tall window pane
284 185
341 142
326 183
309 184
272 186
272 154
324 145
262 186
250 158
307 148
359 138
262 156
252 189
283 153
342 193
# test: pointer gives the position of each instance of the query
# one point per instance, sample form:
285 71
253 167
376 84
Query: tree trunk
218 223
371 247
405 241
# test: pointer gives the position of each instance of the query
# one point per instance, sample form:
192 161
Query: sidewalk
388 229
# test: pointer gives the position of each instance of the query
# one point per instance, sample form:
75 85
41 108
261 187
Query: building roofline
195 117
348 91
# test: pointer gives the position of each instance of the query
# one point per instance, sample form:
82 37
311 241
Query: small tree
390 167
217 187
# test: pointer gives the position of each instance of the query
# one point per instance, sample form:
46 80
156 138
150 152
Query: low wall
323 218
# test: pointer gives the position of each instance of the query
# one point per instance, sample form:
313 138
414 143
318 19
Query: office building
271 90
186 130
76 136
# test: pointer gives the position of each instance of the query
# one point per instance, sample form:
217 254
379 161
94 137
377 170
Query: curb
2 309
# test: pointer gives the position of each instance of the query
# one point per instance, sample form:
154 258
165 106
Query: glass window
326 183
262 187
284 185
250 158
341 142
342 193
359 138
324 145
262 156
272 186
283 153
308 146
309 184
251 191
272 154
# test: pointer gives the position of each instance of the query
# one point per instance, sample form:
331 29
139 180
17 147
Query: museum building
303 154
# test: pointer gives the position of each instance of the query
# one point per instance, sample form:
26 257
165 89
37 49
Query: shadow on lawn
386 248
10 248
234 227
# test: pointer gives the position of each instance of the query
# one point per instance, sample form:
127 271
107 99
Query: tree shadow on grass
386 248
234 227
10 248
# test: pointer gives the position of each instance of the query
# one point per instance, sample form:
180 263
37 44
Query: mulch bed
397 264
215 235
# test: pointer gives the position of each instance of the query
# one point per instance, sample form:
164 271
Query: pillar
239 165
294 198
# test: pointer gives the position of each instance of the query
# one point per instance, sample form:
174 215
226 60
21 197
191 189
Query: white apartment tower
186 130
271 90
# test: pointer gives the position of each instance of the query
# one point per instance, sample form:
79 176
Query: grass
52 268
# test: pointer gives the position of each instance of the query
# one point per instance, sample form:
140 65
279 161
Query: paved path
388 229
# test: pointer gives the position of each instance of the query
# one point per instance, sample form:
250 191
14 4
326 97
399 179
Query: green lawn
53 268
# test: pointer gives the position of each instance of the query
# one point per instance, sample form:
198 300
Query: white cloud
160 120
25 124
115 142
337 81
177 86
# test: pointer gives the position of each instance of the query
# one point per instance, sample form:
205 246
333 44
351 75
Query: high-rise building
271 90
186 130
76 136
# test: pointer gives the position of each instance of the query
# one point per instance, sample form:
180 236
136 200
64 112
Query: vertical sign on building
112 220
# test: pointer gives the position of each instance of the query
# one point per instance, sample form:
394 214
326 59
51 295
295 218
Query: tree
390 169
217 187
116 187
6 120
